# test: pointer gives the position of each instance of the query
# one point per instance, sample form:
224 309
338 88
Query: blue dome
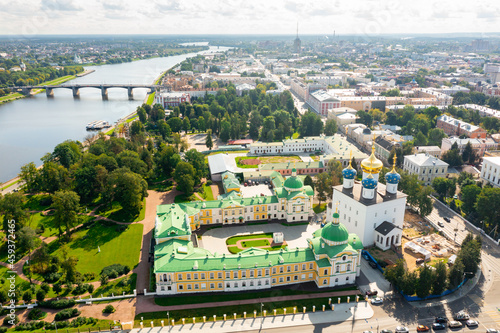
349 173
392 177
369 183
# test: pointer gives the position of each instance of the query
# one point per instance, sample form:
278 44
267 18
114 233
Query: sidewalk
342 312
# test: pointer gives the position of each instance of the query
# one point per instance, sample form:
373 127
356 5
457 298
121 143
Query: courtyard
255 191
214 240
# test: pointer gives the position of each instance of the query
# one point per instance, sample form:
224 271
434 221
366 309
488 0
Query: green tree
164 129
11 207
225 132
469 195
310 124
186 124
67 153
136 128
452 156
66 206
468 154
395 274
436 135
364 118
424 202
197 160
128 188
408 283
456 274
488 206
40 295
321 186
442 186
440 278
30 176
424 282
184 177
470 256
330 127
68 265
309 181
268 129
208 140
142 114
175 124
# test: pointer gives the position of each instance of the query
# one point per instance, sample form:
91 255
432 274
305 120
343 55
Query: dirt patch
415 225
253 161
389 256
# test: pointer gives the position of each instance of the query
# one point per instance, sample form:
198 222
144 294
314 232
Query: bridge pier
49 92
26 91
104 92
130 93
76 91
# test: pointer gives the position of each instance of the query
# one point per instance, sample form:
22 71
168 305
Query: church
373 211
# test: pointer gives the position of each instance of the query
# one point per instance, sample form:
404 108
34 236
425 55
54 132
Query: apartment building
456 127
425 166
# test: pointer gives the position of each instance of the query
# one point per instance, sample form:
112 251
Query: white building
426 166
321 101
375 211
490 172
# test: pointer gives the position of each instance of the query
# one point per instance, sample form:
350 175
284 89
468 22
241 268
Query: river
31 127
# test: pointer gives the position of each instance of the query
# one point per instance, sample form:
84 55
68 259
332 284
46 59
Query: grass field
248 241
7 186
177 315
151 98
57 81
116 246
184 198
119 286
315 157
207 192
131 118
101 325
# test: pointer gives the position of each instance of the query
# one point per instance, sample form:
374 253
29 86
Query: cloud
60 5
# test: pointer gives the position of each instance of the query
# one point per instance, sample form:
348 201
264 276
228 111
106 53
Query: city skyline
359 17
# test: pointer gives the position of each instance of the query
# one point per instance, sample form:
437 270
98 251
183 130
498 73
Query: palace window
219 275
325 272
188 276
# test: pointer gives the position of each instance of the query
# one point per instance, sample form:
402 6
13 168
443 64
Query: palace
331 257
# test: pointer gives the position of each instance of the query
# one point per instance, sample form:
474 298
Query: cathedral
368 208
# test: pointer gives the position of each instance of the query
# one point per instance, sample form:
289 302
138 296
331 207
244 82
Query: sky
361 17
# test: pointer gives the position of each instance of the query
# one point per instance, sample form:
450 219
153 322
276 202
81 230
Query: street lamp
261 315
168 318
377 324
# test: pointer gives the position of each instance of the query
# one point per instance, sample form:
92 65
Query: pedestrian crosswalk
494 315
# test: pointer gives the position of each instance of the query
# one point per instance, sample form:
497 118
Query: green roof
293 182
330 251
276 179
333 232
250 258
229 181
171 221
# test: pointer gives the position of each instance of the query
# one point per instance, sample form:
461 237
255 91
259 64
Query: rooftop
425 160
380 196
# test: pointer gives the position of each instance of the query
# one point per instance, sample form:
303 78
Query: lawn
50 229
101 325
249 241
10 97
131 119
207 192
13 183
38 202
253 162
57 81
118 245
223 297
117 287
315 157
151 98
117 213
177 315
319 208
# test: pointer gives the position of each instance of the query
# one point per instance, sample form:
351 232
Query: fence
363 252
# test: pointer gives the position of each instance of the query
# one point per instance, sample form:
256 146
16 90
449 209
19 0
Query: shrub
109 309
89 276
89 287
58 304
115 270
66 314
3 329
34 325
40 295
209 182
45 287
3 296
27 296
57 288
36 314
52 277
11 320
104 280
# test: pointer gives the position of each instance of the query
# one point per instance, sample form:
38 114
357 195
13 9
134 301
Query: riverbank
85 72
15 95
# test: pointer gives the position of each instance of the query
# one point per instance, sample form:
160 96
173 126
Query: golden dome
371 164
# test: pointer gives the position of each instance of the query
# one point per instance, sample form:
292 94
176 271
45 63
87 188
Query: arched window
348 267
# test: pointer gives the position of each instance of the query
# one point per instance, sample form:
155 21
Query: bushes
52 277
40 325
3 329
109 309
9 320
34 325
36 314
83 288
89 276
40 295
67 313
58 304
114 271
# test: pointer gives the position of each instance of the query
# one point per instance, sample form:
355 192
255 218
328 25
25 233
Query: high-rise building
297 42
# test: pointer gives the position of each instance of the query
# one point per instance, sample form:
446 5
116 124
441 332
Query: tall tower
296 42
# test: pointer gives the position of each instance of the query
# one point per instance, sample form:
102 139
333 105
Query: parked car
462 315
438 326
256 183
441 224
454 324
447 219
365 256
367 331
422 328
245 184
371 293
419 261
491 330
471 323
402 329
377 300
442 320
385 331
372 264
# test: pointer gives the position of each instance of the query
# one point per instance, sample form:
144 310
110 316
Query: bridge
75 88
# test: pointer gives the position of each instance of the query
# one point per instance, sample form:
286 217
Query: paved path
342 312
